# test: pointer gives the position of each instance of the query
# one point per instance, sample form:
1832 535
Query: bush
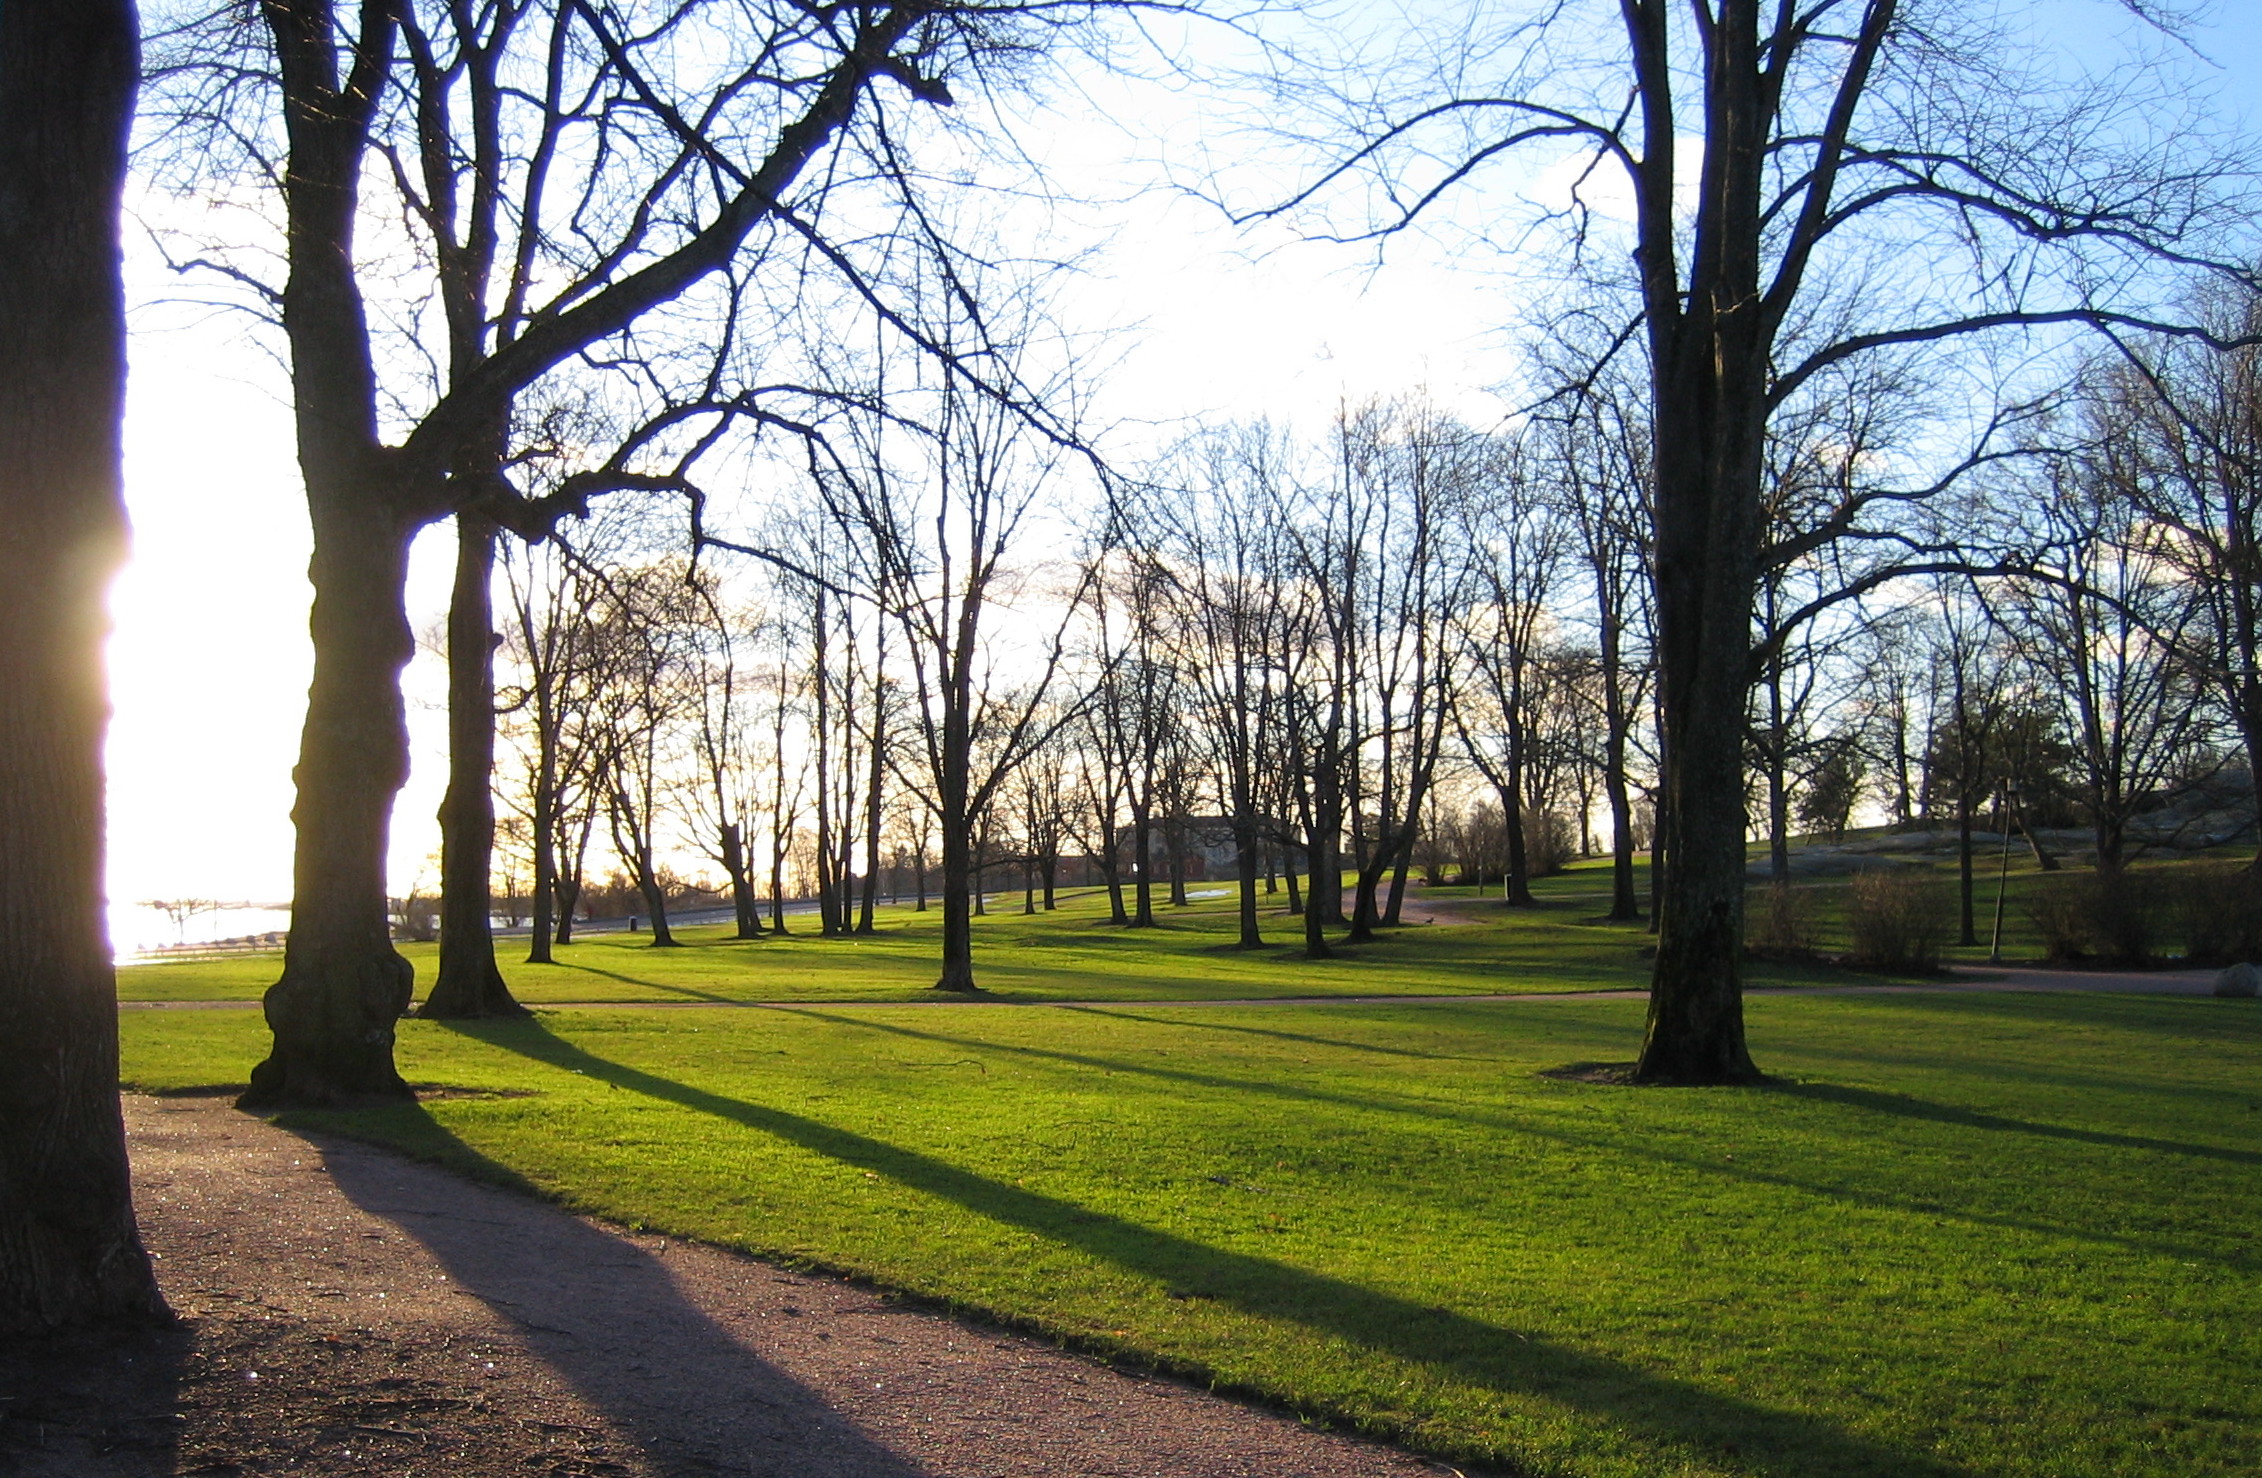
1897 920
2124 913
1549 842
2215 913
2125 917
2059 911
1783 923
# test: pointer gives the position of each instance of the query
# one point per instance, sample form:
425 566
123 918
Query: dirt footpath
346 1311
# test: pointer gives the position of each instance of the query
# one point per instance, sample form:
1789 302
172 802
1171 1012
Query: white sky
210 659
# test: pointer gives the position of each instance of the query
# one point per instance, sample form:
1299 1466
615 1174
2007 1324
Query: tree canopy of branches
552 181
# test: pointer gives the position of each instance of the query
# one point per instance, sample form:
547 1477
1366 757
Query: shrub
1897 921
2215 913
1549 842
2124 911
1783 922
2059 911
2122 916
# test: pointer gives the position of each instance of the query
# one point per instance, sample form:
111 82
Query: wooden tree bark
470 985
1709 352
69 1252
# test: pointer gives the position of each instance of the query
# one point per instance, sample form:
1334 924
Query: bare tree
2190 428
69 1251
565 174
1828 142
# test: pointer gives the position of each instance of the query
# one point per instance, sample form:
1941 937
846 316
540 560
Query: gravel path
350 1312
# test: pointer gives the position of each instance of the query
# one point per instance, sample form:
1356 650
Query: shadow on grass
1259 1031
1907 1107
1899 1200
678 990
599 1310
1673 1418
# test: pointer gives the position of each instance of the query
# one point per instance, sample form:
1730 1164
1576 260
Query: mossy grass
1959 1235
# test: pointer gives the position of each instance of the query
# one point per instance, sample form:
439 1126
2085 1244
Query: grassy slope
1074 954
2003 1235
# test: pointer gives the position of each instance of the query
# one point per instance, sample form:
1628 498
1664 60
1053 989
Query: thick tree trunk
1708 460
1245 850
69 1252
957 904
343 985
1516 889
469 984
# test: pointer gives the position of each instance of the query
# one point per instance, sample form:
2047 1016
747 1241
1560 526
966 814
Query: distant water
137 930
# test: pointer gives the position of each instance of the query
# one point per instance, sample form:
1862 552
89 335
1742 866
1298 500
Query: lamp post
2005 798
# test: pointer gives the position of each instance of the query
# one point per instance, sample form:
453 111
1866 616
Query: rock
2239 980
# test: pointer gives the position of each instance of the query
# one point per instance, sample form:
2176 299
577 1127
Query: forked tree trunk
343 986
470 985
746 910
69 1252
569 902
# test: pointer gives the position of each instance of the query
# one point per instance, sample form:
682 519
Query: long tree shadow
1119 1014
1904 1106
693 1398
679 990
1679 1420
1632 1148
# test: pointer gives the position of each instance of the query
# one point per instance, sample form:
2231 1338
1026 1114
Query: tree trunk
957 903
1516 889
1392 913
1625 906
1245 849
1707 456
777 884
343 985
544 825
655 902
69 1251
746 909
1967 933
569 902
1143 870
469 985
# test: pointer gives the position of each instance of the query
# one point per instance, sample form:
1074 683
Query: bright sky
210 657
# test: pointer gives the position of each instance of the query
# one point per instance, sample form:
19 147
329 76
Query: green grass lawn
1967 1235
1071 954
